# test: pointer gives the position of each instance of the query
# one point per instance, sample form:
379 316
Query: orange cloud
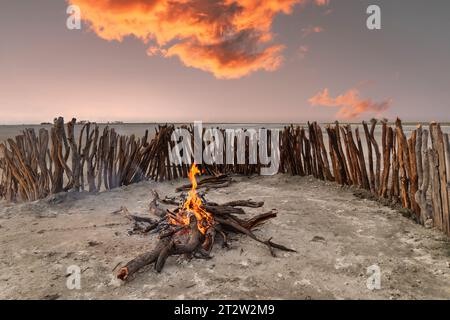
302 51
322 2
350 104
310 30
229 38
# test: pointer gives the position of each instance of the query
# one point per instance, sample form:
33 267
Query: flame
194 205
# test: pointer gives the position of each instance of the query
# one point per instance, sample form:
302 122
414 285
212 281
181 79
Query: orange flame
194 205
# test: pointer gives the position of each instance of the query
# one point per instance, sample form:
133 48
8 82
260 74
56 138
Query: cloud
322 2
229 38
310 30
350 104
229 59
302 51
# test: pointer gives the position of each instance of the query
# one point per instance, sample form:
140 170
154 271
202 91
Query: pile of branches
187 240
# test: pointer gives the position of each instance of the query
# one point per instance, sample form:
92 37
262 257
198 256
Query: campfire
193 206
193 227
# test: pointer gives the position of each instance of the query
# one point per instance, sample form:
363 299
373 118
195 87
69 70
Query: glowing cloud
302 51
229 38
310 30
350 104
322 2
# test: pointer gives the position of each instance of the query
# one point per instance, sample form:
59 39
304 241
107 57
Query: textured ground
337 236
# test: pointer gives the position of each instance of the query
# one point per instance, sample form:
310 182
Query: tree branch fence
413 172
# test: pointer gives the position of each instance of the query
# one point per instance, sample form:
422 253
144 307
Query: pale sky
224 61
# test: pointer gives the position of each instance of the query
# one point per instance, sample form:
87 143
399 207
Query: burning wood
216 182
191 229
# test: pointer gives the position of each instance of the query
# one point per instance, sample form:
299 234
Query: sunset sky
224 61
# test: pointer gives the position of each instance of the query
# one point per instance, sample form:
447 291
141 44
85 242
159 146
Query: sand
337 236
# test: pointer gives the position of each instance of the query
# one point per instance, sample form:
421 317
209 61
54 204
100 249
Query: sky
243 61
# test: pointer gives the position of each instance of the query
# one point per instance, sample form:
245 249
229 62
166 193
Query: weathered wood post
387 145
404 162
440 176
370 155
414 184
423 165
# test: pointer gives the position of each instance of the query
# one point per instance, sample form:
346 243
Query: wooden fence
413 172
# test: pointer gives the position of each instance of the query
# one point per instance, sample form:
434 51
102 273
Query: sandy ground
337 236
